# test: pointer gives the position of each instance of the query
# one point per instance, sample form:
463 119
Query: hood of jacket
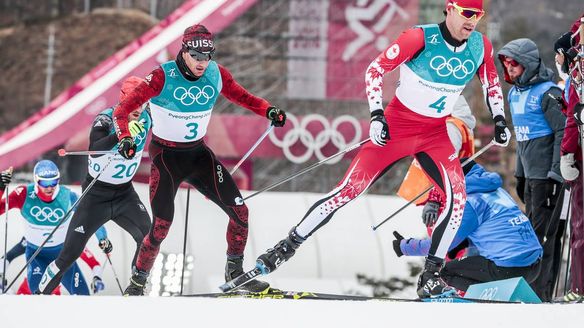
525 52
480 181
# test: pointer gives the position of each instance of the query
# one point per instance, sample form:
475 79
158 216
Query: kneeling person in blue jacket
501 239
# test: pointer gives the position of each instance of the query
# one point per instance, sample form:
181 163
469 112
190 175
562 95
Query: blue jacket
492 222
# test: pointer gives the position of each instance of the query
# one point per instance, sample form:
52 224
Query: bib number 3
439 105
193 131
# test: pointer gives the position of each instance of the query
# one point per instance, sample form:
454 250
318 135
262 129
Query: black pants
197 165
477 269
103 202
541 197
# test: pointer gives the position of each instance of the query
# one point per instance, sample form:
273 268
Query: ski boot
137 283
282 252
570 297
430 284
234 269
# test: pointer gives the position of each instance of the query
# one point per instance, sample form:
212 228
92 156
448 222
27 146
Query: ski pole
34 255
558 277
115 274
350 148
182 275
468 160
62 152
257 143
6 207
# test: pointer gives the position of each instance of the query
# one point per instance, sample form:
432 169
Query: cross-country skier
503 241
436 62
182 93
112 197
43 204
19 249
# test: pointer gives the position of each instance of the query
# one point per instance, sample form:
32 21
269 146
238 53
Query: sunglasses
468 13
511 62
48 183
201 56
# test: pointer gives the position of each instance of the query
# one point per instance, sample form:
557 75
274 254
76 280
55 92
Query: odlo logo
220 173
200 43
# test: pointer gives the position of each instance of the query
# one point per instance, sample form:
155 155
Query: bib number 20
439 105
125 171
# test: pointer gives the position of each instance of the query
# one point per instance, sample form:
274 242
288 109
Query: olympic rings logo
315 144
194 94
47 214
453 66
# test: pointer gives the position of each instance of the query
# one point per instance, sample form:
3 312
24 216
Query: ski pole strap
468 160
311 167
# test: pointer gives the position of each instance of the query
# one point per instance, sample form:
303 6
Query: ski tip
62 152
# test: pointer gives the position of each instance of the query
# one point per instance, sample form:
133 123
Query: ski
240 280
305 295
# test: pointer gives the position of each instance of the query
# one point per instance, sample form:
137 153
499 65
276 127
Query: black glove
569 57
127 147
578 113
502 133
5 178
396 244
520 188
106 245
378 128
276 115
430 213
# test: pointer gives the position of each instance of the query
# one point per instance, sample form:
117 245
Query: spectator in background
492 224
571 162
539 128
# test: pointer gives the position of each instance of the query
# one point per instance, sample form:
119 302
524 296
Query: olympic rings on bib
453 66
315 144
194 94
47 214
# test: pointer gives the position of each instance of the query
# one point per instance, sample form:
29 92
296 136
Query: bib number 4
439 105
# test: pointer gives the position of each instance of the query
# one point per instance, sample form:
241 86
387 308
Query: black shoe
234 269
282 252
430 284
137 283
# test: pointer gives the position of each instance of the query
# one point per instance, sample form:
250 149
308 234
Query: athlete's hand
396 244
430 213
276 115
568 167
97 284
106 245
378 129
127 147
135 128
578 113
502 133
5 178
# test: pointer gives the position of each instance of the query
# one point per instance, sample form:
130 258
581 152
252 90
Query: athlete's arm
239 95
151 87
487 73
15 199
407 46
99 136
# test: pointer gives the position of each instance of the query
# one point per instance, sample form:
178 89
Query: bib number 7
439 105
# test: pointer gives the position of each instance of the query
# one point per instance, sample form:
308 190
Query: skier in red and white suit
436 62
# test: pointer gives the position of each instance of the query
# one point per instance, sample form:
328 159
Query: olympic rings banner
333 41
302 139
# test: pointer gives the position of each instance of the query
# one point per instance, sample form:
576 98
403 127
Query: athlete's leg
91 214
370 163
130 214
38 265
440 162
74 281
166 174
